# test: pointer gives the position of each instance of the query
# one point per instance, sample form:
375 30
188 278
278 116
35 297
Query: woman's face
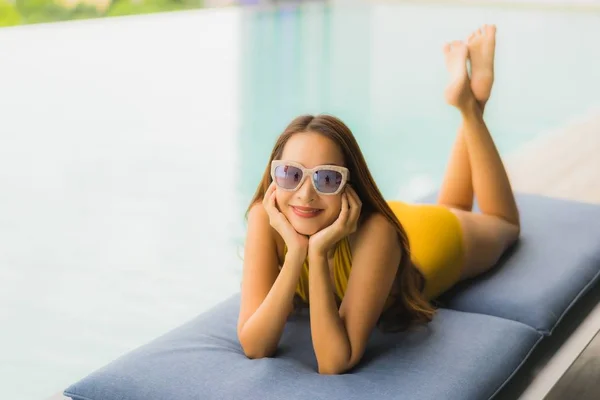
305 208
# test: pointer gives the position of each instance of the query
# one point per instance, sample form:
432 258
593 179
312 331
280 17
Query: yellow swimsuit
436 246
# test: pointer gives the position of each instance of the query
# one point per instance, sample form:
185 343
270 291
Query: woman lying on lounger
321 234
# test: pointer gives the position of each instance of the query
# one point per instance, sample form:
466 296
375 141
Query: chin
306 229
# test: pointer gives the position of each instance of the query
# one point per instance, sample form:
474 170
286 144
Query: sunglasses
326 179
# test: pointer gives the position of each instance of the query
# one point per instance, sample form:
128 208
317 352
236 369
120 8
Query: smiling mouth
306 212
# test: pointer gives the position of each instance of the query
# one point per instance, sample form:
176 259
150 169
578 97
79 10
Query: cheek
335 202
334 206
282 199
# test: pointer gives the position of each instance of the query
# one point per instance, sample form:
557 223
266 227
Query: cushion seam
544 332
581 293
531 328
509 378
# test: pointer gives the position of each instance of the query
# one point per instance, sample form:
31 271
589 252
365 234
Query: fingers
355 206
269 202
354 199
271 189
345 207
345 219
267 196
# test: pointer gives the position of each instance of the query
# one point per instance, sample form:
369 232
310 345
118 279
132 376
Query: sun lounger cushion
556 261
458 356
474 345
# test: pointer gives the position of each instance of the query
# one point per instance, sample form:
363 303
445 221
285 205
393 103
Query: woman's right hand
296 243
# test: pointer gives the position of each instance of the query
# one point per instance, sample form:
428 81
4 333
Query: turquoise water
130 147
380 69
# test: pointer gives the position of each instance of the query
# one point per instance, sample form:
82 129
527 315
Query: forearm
261 332
330 339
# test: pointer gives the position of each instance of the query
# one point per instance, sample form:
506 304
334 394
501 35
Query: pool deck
564 164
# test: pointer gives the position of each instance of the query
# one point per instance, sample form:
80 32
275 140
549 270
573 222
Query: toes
483 30
460 46
456 44
487 30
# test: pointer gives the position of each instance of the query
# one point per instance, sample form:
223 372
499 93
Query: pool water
130 148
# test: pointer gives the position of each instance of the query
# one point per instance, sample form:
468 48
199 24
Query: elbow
254 354
254 350
335 363
331 368
338 366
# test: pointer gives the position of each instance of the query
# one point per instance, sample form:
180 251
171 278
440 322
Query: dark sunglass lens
327 181
287 176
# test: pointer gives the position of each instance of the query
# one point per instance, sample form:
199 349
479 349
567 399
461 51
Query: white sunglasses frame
309 172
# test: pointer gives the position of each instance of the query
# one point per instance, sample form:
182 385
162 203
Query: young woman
321 234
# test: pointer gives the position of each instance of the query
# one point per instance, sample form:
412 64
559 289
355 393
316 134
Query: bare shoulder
257 211
258 223
375 228
259 232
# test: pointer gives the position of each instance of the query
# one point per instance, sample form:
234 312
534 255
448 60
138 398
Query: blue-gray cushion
556 261
457 356
467 352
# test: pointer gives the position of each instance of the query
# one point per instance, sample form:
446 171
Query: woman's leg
486 235
457 187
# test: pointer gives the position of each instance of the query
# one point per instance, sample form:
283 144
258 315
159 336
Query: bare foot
482 44
458 92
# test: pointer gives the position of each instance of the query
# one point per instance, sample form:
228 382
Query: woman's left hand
346 223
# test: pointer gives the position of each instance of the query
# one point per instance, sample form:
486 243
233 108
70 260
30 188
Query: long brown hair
409 307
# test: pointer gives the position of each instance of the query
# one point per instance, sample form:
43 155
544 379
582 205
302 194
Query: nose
306 193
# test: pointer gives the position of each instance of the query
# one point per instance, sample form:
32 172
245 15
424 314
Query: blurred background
17 12
130 147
